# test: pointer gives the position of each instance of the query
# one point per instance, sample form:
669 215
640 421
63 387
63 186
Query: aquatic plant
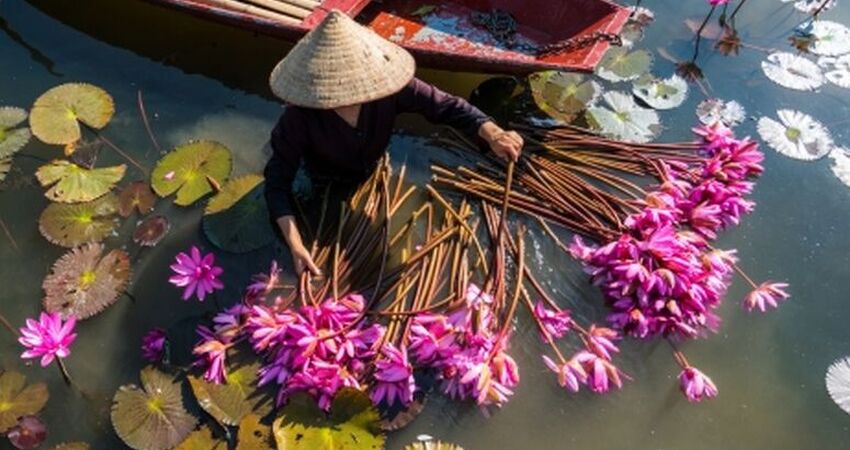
74 184
13 137
49 338
197 274
713 110
56 115
191 171
70 225
841 164
796 135
792 71
29 433
136 196
19 399
153 345
151 231
838 383
237 219
622 118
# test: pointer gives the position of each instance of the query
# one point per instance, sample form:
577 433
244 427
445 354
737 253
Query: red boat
506 36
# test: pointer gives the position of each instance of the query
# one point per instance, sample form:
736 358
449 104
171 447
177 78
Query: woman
343 86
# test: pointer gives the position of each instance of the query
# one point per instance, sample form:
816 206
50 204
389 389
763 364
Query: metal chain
579 42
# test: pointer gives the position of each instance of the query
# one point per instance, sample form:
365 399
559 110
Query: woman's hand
302 261
505 144
301 258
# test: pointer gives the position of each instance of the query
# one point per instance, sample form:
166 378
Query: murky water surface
201 80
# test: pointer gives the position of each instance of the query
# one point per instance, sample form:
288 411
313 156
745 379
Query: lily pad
72 446
563 95
432 445
84 281
838 383
792 71
232 192
352 424
837 70
70 225
152 417
28 434
17 399
623 119
841 164
796 135
56 116
150 231
661 94
12 138
810 6
713 110
831 38
619 64
191 170
73 184
253 434
136 196
232 401
202 439
5 167
243 227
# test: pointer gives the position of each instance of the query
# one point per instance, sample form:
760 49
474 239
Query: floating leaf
253 434
202 439
70 225
838 383
830 38
188 169
5 167
243 227
17 399
837 70
353 423
55 116
12 139
661 94
152 417
29 433
232 192
136 196
624 119
563 95
810 6
432 445
230 402
713 110
72 446
619 64
150 231
841 164
796 135
84 281
406 416
74 184
792 71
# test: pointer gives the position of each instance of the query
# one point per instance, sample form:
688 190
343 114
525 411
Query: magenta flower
555 323
601 341
213 353
696 385
48 338
262 284
601 374
153 345
196 274
393 376
766 294
432 339
571 374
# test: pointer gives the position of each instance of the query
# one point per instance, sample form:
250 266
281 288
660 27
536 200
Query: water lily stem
64 370
146 123
8 325
8 234
119 151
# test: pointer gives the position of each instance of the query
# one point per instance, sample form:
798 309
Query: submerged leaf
70 225
231 402
796 135
84 281
232 192
624 119
150 231
202 439
353 423
73 184
841 164
838 383
12 139
188 170
661 94
136 196
619 64
253 434
55 116
792 71
17 399
830 38
152 417
713 110
243 227
563 95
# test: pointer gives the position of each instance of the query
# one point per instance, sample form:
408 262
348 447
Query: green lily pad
563 95
73 184
17 399
191 170
253 434
432 445
152 417
231 402
72 446
70 225
136 196
353 424
85 281
56 116
621 118
202 439
661 94
5 167
619 64
232 192
12 139
243 227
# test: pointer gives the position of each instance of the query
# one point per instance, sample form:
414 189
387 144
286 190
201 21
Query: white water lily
796 135
841 164
624 119
792 71
838 383
713 110
831 38
836 70
662 94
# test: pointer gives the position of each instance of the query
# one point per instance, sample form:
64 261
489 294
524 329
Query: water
204 80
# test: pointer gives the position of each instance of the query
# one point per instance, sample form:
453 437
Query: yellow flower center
86 279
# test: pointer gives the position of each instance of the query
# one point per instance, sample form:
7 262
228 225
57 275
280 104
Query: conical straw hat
341 63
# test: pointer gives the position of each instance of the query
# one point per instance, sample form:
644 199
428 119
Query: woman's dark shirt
332 148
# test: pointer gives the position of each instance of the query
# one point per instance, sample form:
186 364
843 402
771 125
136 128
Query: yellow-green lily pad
70 225
56 116
17 399
563 95
12 137
202 439
253 434
232 192
73 184
192 171
232 401
243 227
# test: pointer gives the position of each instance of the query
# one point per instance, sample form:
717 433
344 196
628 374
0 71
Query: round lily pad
831 38
202 439
623 119
73 184
619 64
713 110
836 70
353 423
5 167
28 434
563 95
191 170
253 434
792 71
243 227
17 399
56 116
230 402
152 417
12 137
661 94
136 196
70 225
84 281
841 165
838 383
150 231
796 135
232 192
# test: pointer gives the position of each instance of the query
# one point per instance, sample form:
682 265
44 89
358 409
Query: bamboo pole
283 8
253 10
306 4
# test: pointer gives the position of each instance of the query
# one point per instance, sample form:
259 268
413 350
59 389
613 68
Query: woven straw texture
341 63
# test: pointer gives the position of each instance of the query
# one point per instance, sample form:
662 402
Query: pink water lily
555 323
262 284
393 377
197 274
696 385
153 345
212 353
571 375
767 294
601 341
48 338
601 374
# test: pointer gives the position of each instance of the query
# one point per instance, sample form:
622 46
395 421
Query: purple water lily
48 338
196 274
